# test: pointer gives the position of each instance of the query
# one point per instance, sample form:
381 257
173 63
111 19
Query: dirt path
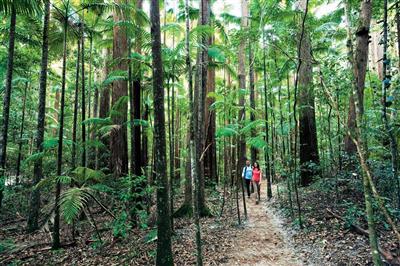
261 241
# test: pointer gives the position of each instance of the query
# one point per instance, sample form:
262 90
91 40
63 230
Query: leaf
151 236
72 202
216 53
82 175
226 132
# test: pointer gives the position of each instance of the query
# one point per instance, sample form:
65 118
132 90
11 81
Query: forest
199 132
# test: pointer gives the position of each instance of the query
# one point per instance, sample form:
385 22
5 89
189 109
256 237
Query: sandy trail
261 241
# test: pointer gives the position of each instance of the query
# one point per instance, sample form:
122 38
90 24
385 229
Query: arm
244 168
260 176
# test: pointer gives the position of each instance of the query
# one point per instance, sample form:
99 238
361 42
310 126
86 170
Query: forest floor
259 240
262 240
268 237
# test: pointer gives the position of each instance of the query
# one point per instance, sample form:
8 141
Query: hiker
256 178
247 175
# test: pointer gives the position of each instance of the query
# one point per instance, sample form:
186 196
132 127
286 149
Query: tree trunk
266 150
76 101
164 251
118 143
309 158
241 151
21 133
83 100
136 152
104 112
34 205
7 100
144 148
252 99
56 229
187 206
210 156
199 104
359 64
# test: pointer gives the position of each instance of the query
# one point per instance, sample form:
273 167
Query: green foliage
227 131
6 245
73 201
151 236
352 214
121 226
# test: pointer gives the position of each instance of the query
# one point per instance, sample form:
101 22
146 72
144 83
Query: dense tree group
130 106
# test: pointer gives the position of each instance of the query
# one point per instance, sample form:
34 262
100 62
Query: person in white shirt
247 175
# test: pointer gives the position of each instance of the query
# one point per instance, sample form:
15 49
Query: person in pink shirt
257 174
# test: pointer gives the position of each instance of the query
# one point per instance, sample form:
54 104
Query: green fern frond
72 202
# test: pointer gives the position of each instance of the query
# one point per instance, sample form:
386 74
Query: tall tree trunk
95 114
21 133
144 147
266 150
34 205
76 101
210 156
196 123
187 206
164 251
349 146
7 100
309 157
135 104
241 151
83 93
119 143
199 104
359 64
104 111
253 150
136 152
91 153
56 228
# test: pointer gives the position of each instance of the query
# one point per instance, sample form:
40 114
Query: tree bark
199 104
359 65
253 150
7 100
76 101
104 112
83 93
119 143
210 156
266 150
241 151
164 251
34 204
187 206
309 158
56 228
136 152
21 133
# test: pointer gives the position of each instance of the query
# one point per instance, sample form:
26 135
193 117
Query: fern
83 175
72 202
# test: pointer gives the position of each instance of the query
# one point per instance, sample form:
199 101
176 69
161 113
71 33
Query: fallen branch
387 255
